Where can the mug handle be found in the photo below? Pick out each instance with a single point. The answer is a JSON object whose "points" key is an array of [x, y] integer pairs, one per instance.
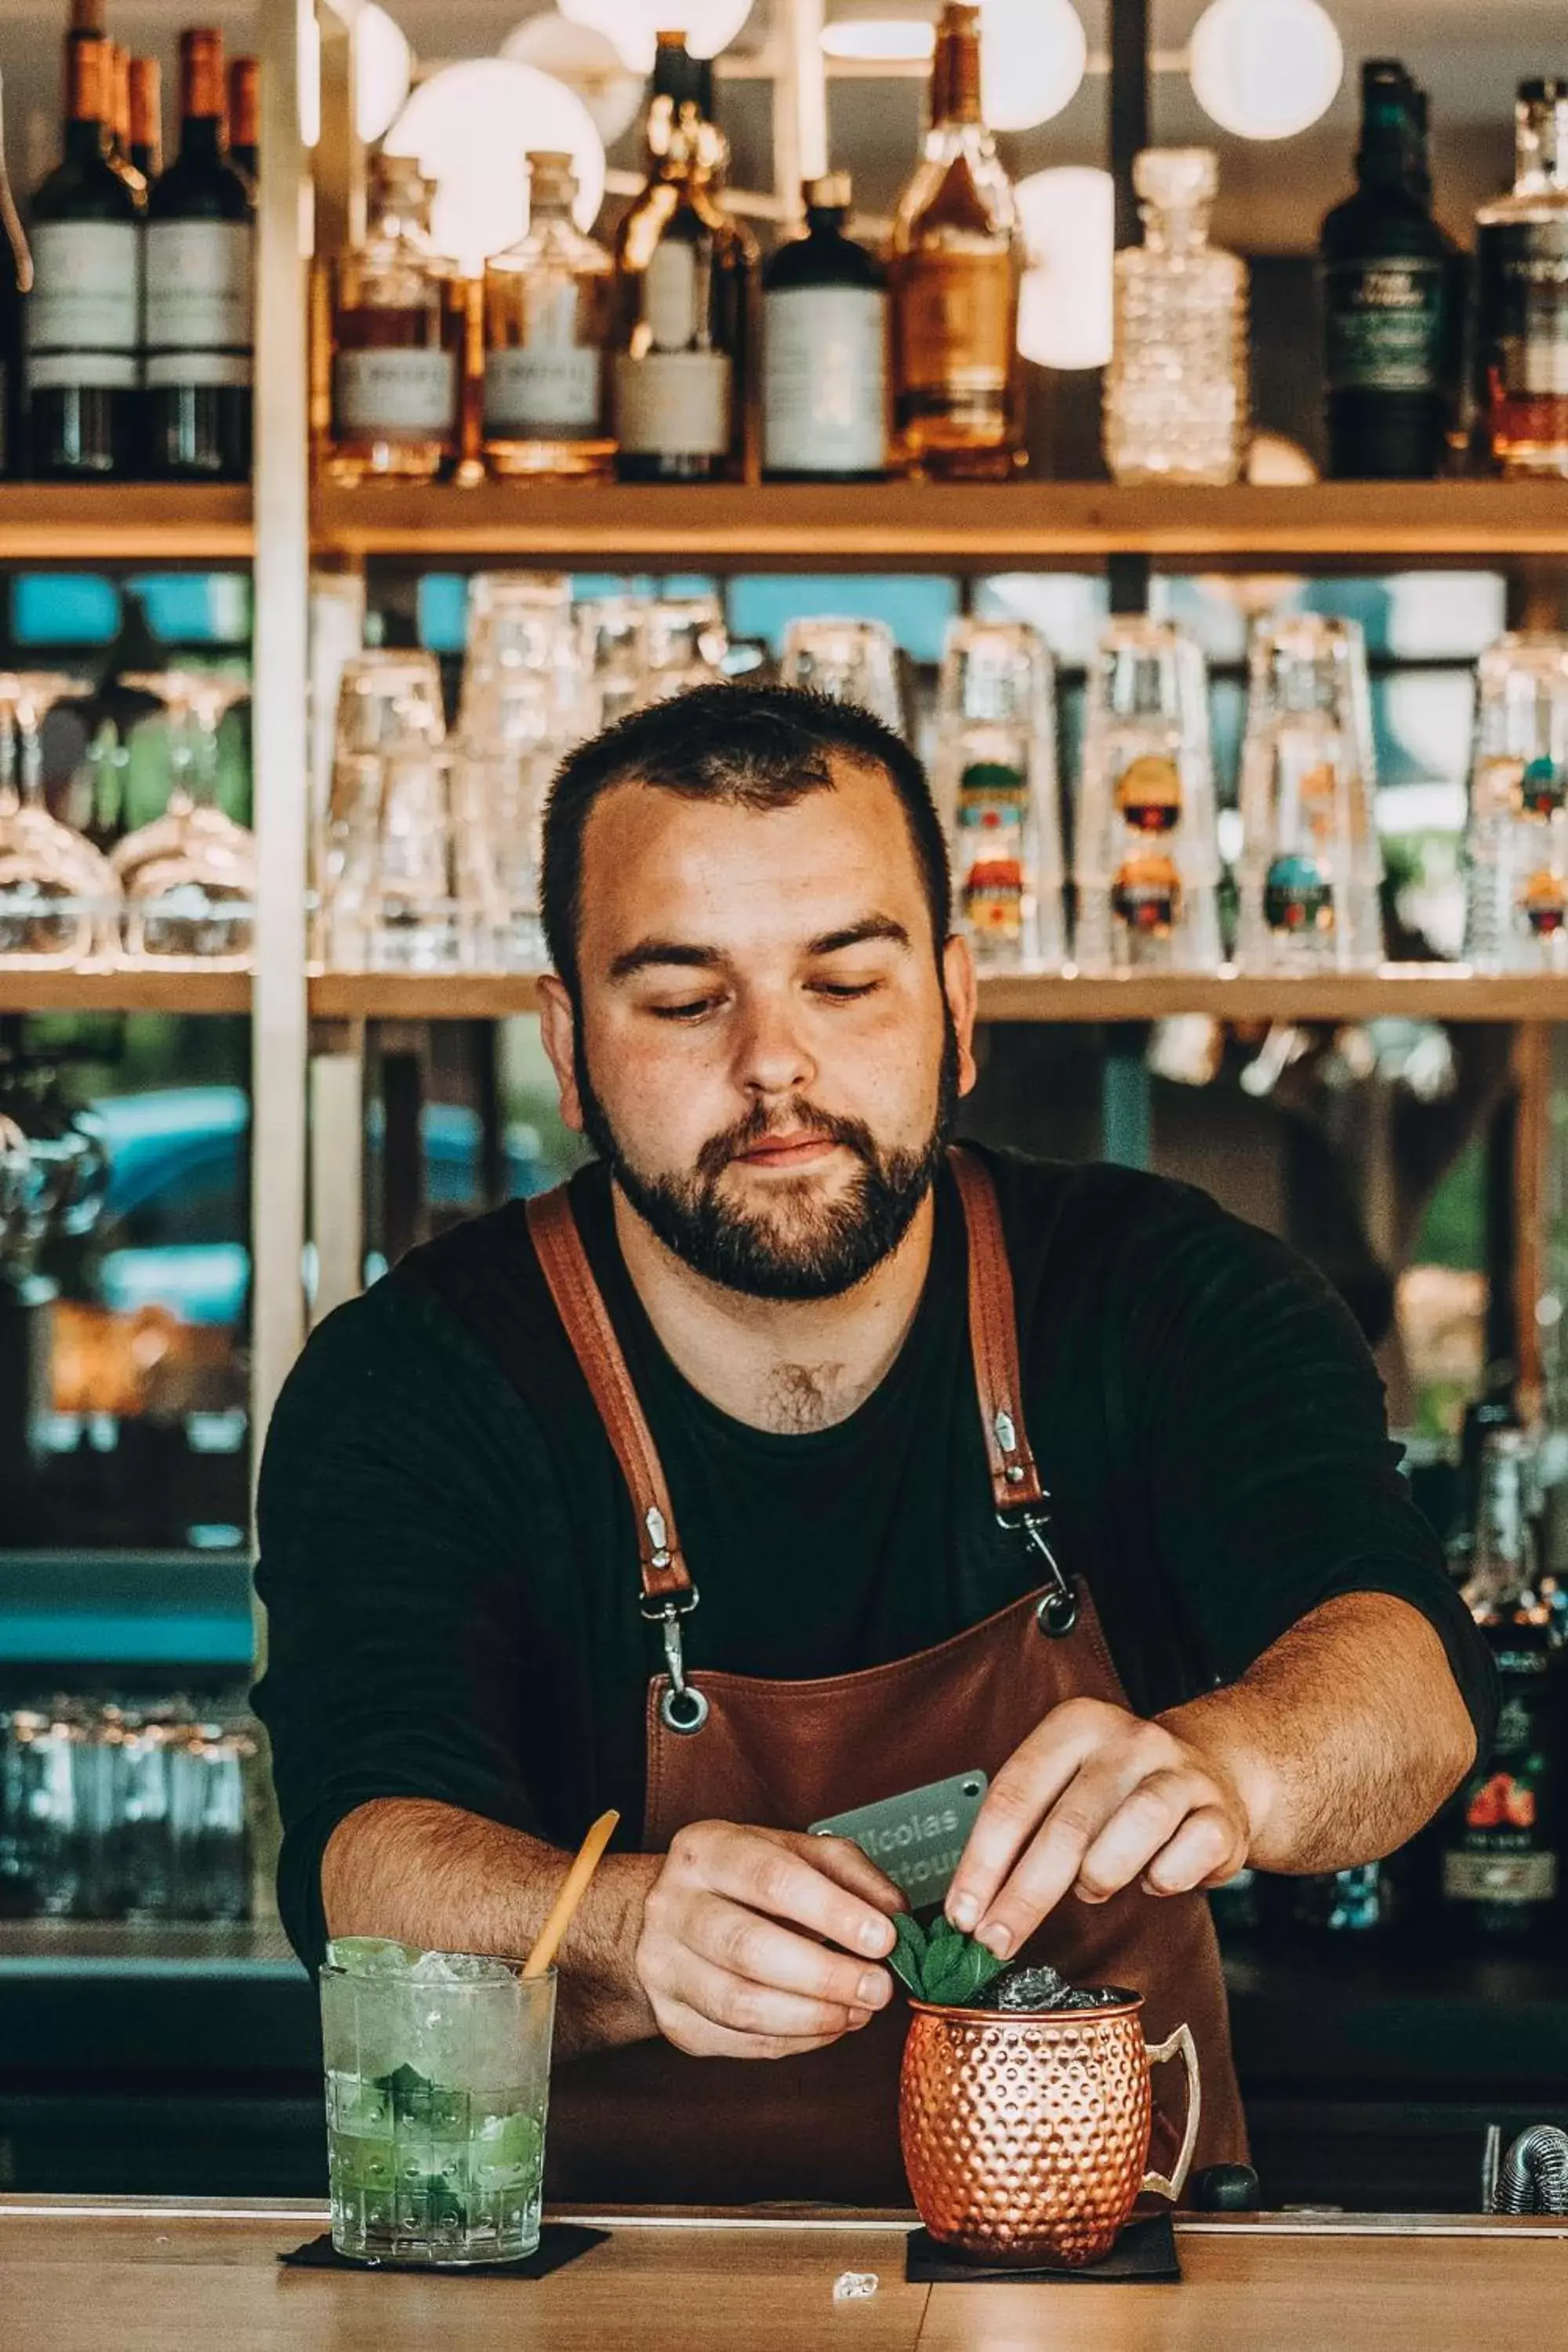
{"points": [[1181, 2040]]}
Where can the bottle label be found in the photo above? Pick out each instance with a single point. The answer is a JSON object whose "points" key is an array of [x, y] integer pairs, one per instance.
{"points": [[87, 370], [825, 380], [958, 317], [1500, 1877], [395, 395], [673, 403], [87, 290], [1387, 325], [1523, 292], [548, 390], [198, 286], [197, 368]]}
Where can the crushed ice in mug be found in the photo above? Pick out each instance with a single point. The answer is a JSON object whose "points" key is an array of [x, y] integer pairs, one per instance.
{"points": [[1022, 1987]]}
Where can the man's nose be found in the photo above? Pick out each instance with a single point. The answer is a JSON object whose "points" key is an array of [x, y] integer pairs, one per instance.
{"points": [[771, 1057]]}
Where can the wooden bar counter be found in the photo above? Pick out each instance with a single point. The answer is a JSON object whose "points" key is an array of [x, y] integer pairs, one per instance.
{"points": [[107, 2275]]}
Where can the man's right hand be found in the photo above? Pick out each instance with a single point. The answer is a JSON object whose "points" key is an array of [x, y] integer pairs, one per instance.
{"points": [[764, 1943]]}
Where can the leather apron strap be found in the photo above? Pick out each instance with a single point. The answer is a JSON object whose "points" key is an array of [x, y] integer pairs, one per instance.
{"points": [[668, 1593]]}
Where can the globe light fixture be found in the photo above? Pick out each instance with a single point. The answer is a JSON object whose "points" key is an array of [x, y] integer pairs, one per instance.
{"points": [[1032, 56], [588, 62], [1266, 68], [710, 26], [384, 66], [471, 125], [1069, 227]]}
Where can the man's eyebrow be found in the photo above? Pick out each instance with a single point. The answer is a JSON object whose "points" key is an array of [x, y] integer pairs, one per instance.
{"points": [[647, 952], [854, 935]]}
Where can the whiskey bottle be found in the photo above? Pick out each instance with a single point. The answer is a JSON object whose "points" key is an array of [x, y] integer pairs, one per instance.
{"points": [[686, 295], [147, 118], [1499, 1837], [84, 314], [15, 279], [1388, 280], [547, 320], [199, 334], [957, 264], [825, 348], [1521, 274], [397, 340], [1176, 393]]}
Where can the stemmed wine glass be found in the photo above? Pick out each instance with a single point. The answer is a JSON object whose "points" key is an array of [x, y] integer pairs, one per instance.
{"points": [[58, 893], [189, 877]]}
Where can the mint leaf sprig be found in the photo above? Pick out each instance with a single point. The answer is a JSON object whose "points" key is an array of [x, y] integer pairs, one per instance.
{"points": [[941, 1964]]}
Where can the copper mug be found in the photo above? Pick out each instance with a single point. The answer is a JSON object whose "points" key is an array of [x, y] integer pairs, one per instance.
{"points": [[1025, 2132]]}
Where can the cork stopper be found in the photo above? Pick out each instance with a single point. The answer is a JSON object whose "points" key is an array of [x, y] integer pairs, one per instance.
{"points": [[244, 102], [201, 73]]}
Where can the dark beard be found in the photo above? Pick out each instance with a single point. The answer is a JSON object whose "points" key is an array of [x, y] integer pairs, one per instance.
{"points": [[846, 1240]]}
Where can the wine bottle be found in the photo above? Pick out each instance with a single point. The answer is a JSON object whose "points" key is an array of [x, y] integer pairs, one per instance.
{"points": [[244, 117], [84, 312], [686, 294], [825, 348], [147, 118], [15, 279], [200, 220]]}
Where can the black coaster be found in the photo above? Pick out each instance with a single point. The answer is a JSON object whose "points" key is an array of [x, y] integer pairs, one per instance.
{"points": [[560, 2242], [1145, 2251]]}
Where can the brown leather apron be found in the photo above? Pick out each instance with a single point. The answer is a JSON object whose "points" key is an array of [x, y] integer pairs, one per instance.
{"points": [[652, 2121]]}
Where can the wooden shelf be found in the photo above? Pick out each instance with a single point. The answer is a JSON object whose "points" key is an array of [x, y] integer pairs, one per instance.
{"points": [[1417, 992], [181, 988], [951, 527], [123, 522]]}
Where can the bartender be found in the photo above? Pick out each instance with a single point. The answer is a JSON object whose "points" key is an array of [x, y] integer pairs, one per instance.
{"points": [[791, 1458]]}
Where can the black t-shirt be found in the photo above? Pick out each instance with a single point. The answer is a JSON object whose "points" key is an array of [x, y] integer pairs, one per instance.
{"points": [[449, 1557]]}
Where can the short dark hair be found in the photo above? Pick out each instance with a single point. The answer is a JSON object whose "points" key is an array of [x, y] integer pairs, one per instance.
{"points": [[760, 746]]}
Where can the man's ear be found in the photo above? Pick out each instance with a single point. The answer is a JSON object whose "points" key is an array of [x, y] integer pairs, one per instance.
{"points": [[962, 997], [558, 1032]]}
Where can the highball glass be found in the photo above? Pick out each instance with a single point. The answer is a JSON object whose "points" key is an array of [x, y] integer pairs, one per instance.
{"points": [[994, 776]]}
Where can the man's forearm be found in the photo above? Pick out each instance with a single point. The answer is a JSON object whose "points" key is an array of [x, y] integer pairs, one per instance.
{"points": [[450, 1881], [1343, 1739]]}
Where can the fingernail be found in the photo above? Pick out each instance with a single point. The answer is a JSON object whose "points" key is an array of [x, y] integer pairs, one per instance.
{"points": [[876, 1936], [873, 1989], [996, 1938], [963, 1911]]}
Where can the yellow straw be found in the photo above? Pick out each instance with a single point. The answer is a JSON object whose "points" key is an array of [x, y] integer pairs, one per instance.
{"points": [[572, 1888]]}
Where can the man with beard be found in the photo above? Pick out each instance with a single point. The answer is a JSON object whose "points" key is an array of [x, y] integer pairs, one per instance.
{"points": [[791, 1460]]}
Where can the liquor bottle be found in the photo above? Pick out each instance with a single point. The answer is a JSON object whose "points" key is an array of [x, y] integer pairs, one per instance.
{"points": [[1387, 279], [200, 231], [825, 348], [147, 118], [84, 313], [547, 302], [1348, 1905], [686, 295], [957, 264], [244, 117], [1177, 390], [1497, 1841], [397, 339], [16, 279], [1521, 294]]}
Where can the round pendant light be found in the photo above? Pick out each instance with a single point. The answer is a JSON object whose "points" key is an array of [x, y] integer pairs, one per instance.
{"points": [[1266, 68], [1065, 308], [471, 125], [710, 26], [1031, 56]]}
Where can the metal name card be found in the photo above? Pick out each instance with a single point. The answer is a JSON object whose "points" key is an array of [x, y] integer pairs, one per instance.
{"points": [[917, 1838]]}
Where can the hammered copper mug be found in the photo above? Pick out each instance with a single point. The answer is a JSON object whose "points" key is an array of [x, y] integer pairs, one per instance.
{"points": [[1025, 2132]]}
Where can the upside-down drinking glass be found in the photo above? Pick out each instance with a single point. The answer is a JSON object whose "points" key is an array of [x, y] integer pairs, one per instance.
{"points": [[851, 661], [1146, 851], [994, 774], [58, 895], [1310, 863], [189, 877], [1516, 887]]}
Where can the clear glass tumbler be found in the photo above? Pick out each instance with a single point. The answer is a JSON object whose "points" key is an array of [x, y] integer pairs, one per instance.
{"points": [[1514, 909], [850, 661], [437, 2088], [522, 672], [994, 772], [1146, 851], [1310, 864]]}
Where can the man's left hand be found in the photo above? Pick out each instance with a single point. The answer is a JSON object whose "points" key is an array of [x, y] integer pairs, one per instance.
{"points": [[1095, 1798]]}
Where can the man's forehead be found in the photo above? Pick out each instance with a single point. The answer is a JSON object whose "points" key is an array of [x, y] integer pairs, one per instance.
{"points": [[636, 818]]}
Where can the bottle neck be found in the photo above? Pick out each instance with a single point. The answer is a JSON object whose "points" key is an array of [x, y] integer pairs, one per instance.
{"points": [[1541, 146], [826, 220], [1175, 228], [955, 77], [203, 138]]}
